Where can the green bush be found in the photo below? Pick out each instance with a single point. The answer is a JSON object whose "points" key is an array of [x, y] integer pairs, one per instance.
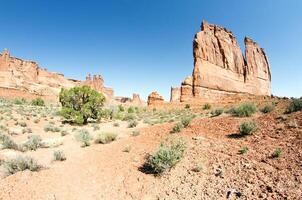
{"points": [[132, 124], [131, 109], [294, 106], [80, 104], [38, 102], [244, 110], [206, 106], [20, 163], [243, 150], [105, 138], [20, 101], [247, 127], [166, 157], [7, 143], [83, 136], [116, 124], [51, 128], [177, 128], [58, 155], [121, 108], [217, 112], [267, 108], [277, 153]]}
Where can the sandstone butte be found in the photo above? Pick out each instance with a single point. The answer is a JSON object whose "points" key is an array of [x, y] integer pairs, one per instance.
{"points": [[25, 79], [221, 69]]}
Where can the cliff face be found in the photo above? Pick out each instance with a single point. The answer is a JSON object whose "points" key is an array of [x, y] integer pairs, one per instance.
{"points": [[28, 78], [220, 67]]}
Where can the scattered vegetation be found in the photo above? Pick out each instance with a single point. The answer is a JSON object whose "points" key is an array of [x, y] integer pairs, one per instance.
{"points": [[247, 128], [185, 121], [198, 168], [294, 106], [166, 157], [206, 106], [51, 128], [80, 104], [38, 102], [244, 110], [267, 108], [217, 112], [135, 133], [20, 163], [7, 143], [187, 106], [132, 124], [58, 155], [32, 143], [243, 150], [83, 136], [177, 128], [105, 138], [277, 153]]}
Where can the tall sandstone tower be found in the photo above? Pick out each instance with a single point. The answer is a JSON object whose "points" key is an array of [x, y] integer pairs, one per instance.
{"points": [[220, 68]]}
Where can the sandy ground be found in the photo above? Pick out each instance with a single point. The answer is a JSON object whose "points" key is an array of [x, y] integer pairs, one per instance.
{"points": [[106, 171]]}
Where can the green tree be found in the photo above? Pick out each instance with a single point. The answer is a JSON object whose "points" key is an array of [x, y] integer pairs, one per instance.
{"points": [[80, 103]]}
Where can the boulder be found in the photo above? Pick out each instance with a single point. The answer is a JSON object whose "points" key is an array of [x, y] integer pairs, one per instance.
{"points": [[155, 99]]}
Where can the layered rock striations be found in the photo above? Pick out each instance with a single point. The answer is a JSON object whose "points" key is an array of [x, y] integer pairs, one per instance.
{"points": [[26, 78], [155, 99], [221, 69]]}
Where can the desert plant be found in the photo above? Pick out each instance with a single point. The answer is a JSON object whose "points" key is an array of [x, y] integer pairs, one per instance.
{"points": [[64, 132], [187, 106], [20, 163], [217, 112], [105, 138], [129, 117], [80, 104], [131, 109], [38, 102], [121, 108], [267, 108], [277, 153], [243, 150], [247, 127], [7, 143], [32, 143], [83, 136], [244, 110], [206, 106], [166, 157], [116, 124], [19, 101], [132, 124], [36, 121], [135, 133], [294, 106], [185, 121], [96, 127], [197, 168], [51, 128], [177, 128], [58, 155]]}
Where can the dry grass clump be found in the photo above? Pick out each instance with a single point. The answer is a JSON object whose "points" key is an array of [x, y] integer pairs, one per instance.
{"points": [[104, 138], [20, 163]]}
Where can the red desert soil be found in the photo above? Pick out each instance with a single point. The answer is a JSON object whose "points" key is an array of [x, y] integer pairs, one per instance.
{"points": [[107, 172]]}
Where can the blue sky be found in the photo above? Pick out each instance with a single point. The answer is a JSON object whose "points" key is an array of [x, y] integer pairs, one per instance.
{"points": [[145, 45]]}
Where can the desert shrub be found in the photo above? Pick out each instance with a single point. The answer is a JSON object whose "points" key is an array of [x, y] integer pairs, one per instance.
{"points": [[83, 136], [36, 121], [206, 106], [96, 127], [166, 157], [247, 127], [22, 124], [80, 104], [243, 150], [20, 163], [132, 124], [186, 121], [267, 108], [64, 132], [217, 112], [135, 133], [38, 102], [131, 109], [294, 106], [104, 138], [58, 155], [197, 168], [244, 110], [116, 124], [51, 128], [177, 128], [32, 143], [187, 106], [277, 153], [121, 108], [129, 117], [19, 101], [7, 143]]}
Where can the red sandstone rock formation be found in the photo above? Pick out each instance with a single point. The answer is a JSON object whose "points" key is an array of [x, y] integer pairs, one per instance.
{"points": [[155, 99], [220, 68], [175, 94], [28, 78]]}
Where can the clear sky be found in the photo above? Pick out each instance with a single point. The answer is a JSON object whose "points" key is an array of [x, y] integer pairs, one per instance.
{"points": [[145, 45]]}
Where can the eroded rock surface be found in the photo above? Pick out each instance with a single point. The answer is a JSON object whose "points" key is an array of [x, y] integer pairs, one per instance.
{"points": [[155, 99], [221, 69]]}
